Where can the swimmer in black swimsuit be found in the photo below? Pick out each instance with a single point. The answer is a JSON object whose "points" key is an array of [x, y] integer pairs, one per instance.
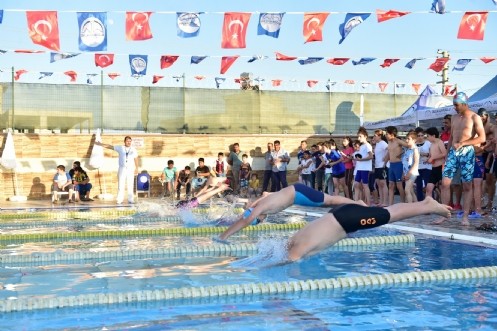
{"points": [[334, 226], [272, 203]]}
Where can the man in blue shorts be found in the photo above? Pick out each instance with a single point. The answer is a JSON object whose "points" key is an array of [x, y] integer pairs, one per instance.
{"points": [[298, 194]]}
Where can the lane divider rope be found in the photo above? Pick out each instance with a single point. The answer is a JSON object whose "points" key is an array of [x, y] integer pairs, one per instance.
{"points": [[179, 251], [249, 289], [85, 222]]}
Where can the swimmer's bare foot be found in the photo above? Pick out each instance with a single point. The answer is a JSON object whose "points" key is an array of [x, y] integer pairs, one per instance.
{"points": [[362, 203], [433, 207], [465, 221]]}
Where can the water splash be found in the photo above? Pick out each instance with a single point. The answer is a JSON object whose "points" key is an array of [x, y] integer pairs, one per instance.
{"points": [[270, 252]]}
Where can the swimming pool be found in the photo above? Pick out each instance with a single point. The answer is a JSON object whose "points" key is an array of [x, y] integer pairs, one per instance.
{"points": [[439, 304]]}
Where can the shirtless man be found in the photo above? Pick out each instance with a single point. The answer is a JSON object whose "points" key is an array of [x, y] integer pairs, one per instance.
{"points": [[488, 150], [394, 155], [436, 158], [466, 132], [271, 203]]}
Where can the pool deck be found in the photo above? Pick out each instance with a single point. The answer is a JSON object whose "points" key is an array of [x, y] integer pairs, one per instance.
{"points": [[450, 230]]}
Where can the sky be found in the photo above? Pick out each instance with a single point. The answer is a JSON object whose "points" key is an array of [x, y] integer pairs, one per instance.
{"points": [[417, 35]]}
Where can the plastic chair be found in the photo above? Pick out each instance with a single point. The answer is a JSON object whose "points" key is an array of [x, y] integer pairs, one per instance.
{"points": [[143, 184]]}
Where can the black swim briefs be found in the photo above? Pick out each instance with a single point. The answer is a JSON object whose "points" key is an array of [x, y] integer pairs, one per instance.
{"points": [[354, 217]]}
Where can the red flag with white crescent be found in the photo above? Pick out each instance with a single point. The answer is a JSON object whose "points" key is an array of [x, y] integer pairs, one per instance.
{"points": [[311, 83], [276, 82], [487, 59], [167, 60], [383, 15], [43, 28], [313, 26], [388, 62], [104, 60], [234, 30], [113, 75], [439, 64], [226, 62], [282, 57], [156, 79], [472, 25], [71, 74], [19, 73], [138, 25], [338, 61]]}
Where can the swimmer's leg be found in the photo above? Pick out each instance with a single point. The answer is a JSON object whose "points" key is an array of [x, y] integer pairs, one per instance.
{"points": [[402, 211]]}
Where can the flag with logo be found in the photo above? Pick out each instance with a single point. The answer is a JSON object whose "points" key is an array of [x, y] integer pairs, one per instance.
{"points": [[282, 57], [410, 64], [363, 60], [439, 64], [104, 60], [43, 28], [72, 74], [167, 60], [461, 64], [438, 6], [188, 24], [138, 25], [351, 21], [61, 56], [313, 26], [234, 30], [156, 78], [219, 81], [257, 57], [227, 62], [197, 59], [92, 35], [338, 61], [138, 65], [472, 26], [270, 24], [383, 16], [310, 60], [89, 78], [388, 62]]}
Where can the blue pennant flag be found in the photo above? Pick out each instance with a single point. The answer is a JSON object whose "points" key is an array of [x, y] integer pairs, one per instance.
{"points": [[89, 78], [2, 51], [188, 24], [219, 81], [257, 57], [410, 64], [363, 60], [270, 24], [1, 16], [138, 65], [44, 74], [461, 64], [351, 21], [310, 60], [92, 31], [197, 59], [61, 56], [438, 6]]}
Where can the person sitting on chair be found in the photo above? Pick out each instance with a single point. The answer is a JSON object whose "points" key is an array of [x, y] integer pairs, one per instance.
{"points": [[62, 183], [168, 177]]}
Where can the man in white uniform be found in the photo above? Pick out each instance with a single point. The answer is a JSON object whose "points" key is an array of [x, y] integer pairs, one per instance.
{"points": [[128, 168]]}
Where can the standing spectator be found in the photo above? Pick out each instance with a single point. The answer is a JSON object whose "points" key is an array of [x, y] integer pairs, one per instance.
{"points": [[62, 182], [128, 168], [220, 165], [338, 170], [268, 167], [235, 160], [280, 160], [364, 165], [347, 152], [82, 185], [183, 179], [380, 168], [328, 170], [436, 159], [319, 167], [395, 170], [245, 171], [410, 164], [168, 178], [424, 166], [305, 168], [202, 174], [300, 155]]}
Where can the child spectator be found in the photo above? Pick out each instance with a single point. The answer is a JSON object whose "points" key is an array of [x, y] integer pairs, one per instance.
{"points": [[62, 182], [168, 177], [220, 166], [347, 152], [254, 188], [338, 170], [202, 173], [245, 170], [183, 179], [82, 185], [410, 163], [305, 168]]}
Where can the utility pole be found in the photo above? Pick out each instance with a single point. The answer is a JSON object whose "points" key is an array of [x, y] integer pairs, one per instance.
{"points": [[445, 70]]}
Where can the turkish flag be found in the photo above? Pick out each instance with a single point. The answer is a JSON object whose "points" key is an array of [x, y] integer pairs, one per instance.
{"points": [[448, 90], [439, 64], [487, 59], [167, 60], [71, 74], [43, 28], [138, 26], [338, 61], [382, 86], [113, 75], [472, 25], [19, 73], [234, 30], [281, 57], [416, 87], [388, 62], [156, 79], [311, 83], [313, 26], [28, 51], [388, 15], [276, 82], [104, 60], [349, 81], [199, 77], [226, 62]]}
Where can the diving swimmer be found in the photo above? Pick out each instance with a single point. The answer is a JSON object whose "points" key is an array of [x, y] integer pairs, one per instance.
{"points": [[206, 195]]}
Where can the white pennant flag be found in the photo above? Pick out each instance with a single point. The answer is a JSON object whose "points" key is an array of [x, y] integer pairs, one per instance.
{"points": [[8, 159], [97, 153]]}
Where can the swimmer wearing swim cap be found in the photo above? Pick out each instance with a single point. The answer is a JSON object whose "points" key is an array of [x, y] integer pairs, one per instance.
{"points": [[460, 98]]}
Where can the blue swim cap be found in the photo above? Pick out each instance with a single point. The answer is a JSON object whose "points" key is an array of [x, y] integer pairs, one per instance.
{"points": [[461, 98]]}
